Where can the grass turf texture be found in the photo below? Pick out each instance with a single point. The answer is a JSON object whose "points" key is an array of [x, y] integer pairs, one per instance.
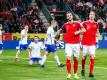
{"points": [[11, 70]]}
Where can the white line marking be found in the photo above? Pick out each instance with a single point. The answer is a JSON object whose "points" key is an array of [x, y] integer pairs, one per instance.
{"points": [[54, 61]]}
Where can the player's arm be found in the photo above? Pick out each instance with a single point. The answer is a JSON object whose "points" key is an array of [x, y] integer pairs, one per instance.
{"points": [[43, 49], [61, 29], [29, 50], [81, 30], [97, 33]]}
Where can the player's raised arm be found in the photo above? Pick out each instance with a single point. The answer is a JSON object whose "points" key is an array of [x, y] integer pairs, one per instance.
{"points": [[28, 50], [81, 30]]}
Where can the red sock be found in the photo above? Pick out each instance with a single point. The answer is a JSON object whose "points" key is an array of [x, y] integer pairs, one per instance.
{"points": [[75, 66], [83, 64], [68, 66], [91, 66]]}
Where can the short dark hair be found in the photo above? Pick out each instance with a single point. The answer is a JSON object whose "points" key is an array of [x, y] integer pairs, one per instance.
{"points": [[92, 11], [37, 36]]}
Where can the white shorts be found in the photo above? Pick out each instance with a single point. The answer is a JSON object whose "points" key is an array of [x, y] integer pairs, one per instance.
{"points": [[89, 50], [72, 49]]}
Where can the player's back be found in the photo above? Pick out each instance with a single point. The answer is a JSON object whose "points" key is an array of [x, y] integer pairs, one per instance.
{"points": [[23, 37], [50, 36]]}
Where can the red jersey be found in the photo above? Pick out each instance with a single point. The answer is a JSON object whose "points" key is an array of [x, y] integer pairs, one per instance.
{"points": [[71, 28], [89, 37]]}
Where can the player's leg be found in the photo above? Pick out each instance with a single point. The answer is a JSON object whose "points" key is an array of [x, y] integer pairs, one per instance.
{"points": [[17, 55], [44, 57], [53, 49], [27, 51], [68, 51], [92, 55], [58, 61], [31, 61], [18, 52], [84, 52], [76, 52]]}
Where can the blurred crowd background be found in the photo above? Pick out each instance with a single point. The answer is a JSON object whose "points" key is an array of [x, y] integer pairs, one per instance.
{"points": [[14, 14]]}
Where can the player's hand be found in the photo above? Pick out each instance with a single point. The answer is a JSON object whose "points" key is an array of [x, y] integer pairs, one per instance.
{"points": [[76, 33]]}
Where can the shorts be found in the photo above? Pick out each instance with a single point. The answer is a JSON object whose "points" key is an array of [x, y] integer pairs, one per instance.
{"points": [[88, 50], [50, 48], [72, 49], [23, 46], [35, 59], [1, 46]]}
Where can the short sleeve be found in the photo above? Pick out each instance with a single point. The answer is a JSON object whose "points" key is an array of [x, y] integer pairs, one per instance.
{"points": [[22, 32], [80, 25]]}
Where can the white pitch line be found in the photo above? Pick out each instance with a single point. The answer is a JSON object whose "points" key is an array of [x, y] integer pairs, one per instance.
{"points": [[54, 61]]}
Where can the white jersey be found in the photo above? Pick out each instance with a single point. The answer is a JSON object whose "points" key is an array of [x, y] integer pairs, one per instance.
{"points": [[23, 37], [36, 48], [1, 37], [50, 36]]}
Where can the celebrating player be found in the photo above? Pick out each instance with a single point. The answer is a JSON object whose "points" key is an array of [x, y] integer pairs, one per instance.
{"points": [[35, 48], [72, 39], [23, 42], [1, 43], [50, 44], [89, 42]]}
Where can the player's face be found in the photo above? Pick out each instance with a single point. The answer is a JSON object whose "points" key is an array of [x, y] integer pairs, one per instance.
{"points": [[26, 27], [36, 39], [69, 16], [92, 15]]}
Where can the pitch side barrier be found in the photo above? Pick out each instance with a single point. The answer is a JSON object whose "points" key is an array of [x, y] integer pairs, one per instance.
{"points": [[14, 44]]}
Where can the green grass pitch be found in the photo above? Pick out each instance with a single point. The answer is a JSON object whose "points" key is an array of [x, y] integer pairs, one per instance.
{"points": [[10, 70]]}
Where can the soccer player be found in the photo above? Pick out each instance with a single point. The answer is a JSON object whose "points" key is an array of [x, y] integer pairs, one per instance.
{"points": [[1, 43], [35, 48], [50, 44], [23, 42], [89, 42], [72, 39]]}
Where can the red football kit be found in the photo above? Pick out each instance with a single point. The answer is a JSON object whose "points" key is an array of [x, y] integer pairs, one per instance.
{"points": [[71, 28], [89, 37]]}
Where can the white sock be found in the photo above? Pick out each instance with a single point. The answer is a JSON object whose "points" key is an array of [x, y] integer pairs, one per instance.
{"points": [[57, 60], [0, 52], [18, 52], [43, 59]]}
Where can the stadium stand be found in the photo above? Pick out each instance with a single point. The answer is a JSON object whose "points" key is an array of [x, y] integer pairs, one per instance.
{"points": [[15, 13]]}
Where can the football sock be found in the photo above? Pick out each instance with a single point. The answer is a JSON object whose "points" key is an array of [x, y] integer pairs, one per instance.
{"points": [[57, 59], [75, 66], [18, 52], [83, 64], [43, 59], [68, 66], [91, 66]]}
